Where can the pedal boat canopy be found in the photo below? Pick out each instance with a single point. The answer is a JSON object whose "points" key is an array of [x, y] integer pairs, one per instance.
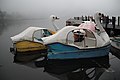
{"points": [[32, 32]]}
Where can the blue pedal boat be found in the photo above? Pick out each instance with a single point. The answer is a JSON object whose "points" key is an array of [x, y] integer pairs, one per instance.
{"points": [[89, 40]]}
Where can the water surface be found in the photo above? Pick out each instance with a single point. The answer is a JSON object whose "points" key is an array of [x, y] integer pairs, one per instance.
{"points": [[9, 70]]}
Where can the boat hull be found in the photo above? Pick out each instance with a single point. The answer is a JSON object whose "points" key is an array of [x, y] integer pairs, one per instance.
{"points": [[62, 51], [29, 47]]}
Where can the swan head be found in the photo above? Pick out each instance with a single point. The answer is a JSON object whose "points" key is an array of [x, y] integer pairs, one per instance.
{"points": [[53, 17], [97, 15]]}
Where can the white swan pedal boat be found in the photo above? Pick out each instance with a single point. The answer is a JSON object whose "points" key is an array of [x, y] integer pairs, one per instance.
{"points": [[89, 40], [30, 41]]}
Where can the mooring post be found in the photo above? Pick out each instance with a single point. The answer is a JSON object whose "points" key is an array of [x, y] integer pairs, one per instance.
{"points": [[118, 20], [113, 22]]}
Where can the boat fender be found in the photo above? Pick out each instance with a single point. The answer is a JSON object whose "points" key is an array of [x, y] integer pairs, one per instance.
{"points": [[12, 49]]}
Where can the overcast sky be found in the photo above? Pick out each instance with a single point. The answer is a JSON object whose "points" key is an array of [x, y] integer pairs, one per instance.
{"points": [[61, 7]]}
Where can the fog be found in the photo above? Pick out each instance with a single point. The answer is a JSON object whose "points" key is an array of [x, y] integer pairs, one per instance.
{"points": [[63, 8]]}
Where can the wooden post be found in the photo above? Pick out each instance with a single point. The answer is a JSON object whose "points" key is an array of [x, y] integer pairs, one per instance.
{"points": [[118, 20], [113, 22]]}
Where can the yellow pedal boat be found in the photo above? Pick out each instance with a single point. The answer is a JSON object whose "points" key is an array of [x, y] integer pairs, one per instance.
{"points": [[29, 41]]}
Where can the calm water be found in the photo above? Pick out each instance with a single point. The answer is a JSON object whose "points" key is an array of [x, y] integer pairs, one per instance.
{"points": [[9, 70]]}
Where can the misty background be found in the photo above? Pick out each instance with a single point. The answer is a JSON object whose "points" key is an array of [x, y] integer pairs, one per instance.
{"points": [[62, 8], [17, 15]]}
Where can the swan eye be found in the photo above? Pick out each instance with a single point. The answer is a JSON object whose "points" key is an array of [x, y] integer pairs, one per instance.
{"points": [[99, 14]]}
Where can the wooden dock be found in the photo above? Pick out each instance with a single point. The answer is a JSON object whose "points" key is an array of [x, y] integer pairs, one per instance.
{"points": [[111, 31]]}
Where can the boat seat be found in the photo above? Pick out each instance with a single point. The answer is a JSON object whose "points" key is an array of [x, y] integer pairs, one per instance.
{"points": [[38, 40]]}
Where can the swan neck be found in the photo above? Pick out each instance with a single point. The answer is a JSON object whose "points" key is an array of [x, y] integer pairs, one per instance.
{"points": [[55, 27]]}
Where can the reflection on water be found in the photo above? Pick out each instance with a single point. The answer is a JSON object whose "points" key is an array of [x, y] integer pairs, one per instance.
{"points": [[27, 68], [83, 74], [26, 58], [4, 24], [74, 69], [2, 27], [0, 65]]}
